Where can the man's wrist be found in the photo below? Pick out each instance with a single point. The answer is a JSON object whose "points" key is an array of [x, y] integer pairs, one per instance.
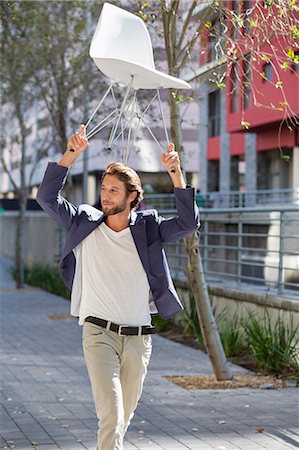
{"points": [[178, 180], [68, 158]]}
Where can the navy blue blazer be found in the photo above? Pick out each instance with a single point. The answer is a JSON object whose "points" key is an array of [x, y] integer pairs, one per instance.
{"points": [[149, 230]]}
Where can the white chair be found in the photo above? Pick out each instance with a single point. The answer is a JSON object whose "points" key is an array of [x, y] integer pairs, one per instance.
{"points": [[121, 48]]}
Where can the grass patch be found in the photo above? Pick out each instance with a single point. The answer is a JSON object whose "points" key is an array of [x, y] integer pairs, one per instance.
{"points": [[46, 277], [230, 331], [231, 334], [191, 322], [163, 325], [267, 346], [274, 346]]}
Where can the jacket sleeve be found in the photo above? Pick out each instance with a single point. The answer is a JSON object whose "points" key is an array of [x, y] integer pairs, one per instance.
{"points": [[50, 199], [186, 221]]}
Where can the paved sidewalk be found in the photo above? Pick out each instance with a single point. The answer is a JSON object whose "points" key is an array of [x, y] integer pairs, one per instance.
{"points": [[46, 399]]}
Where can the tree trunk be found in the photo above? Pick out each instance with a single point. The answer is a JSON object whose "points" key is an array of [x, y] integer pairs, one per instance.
{"points": [[194, 270], [22, 197], [196, 278], [195, 275], [176, 130], [19, 247]]}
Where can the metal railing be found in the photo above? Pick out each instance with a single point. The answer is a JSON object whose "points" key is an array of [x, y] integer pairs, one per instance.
{"points": [[230, 199], [250, 248], [238, 199]]}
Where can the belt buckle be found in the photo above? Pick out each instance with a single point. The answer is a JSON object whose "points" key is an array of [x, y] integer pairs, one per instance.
{"points": [[120, 330]]}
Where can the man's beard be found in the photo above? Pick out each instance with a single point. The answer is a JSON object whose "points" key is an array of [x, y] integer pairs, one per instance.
{"points": [[114, 209]]}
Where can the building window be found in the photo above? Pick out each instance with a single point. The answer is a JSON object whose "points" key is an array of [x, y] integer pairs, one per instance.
{"points": [[234, 89], [213, 178], [15, 165], [296, 65], [247, 81], [214, 114], [237, 171], [214, 39], [235, 14], [267, 72], [247, 12], [43, 123]]}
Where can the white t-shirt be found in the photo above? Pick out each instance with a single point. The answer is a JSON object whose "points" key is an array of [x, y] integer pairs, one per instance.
{"points": [[114, 284]]}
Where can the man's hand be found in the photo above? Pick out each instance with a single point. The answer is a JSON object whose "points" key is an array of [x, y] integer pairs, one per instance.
{"points": [[76, 145], [78, 141], [171, 161]]}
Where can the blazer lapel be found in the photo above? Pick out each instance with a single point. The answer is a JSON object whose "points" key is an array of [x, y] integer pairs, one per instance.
{"points": [[81, 232], [138, 230]]}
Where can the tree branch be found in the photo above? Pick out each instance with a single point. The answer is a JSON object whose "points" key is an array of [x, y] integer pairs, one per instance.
{"points": [[186, 23], [165, 19], [7, 171]]}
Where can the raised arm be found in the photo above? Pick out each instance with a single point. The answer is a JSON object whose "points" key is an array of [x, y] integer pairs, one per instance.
{"points": [[171, 162], [187, 219], [76, 145], [49, 193]]}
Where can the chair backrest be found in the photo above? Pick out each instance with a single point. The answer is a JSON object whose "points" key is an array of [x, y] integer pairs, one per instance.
{"points": [[122, 35]]}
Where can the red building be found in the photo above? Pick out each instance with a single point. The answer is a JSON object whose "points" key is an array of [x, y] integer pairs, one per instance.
{"points": [[249, 134]]}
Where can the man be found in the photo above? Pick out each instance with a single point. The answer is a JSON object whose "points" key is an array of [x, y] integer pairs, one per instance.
{"points": [[114, 263]]}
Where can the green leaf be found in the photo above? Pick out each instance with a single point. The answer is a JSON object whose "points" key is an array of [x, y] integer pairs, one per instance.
{"points": [[294, 32], [285, 65], [179, 99], [276, 108], [245, 124], [220, 85], [291, 53], [265, 57]]}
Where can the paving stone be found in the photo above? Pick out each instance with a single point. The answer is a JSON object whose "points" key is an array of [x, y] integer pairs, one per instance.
{"points": [[46, 396]]}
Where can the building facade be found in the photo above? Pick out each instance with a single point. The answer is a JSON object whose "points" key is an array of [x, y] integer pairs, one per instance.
{"points": [[86, 173], [248, 132]]}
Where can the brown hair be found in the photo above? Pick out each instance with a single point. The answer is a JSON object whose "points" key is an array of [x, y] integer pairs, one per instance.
{"points": [[129, 177]]}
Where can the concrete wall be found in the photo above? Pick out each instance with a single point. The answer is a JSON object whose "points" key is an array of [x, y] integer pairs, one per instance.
{"points": [[243, 302], [42, 240]]}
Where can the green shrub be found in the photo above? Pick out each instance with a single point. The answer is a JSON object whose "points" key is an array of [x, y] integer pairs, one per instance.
{"points": [[231, 334], [162, 325], [275, 346], [229, 329], [192, 325], [46, 277]]}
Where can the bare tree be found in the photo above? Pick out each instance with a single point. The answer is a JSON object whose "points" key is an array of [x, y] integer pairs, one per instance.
{"points": [[44, 64], [17, 101], [178, 55], [65, 76], [265, 33], [235, 36]]}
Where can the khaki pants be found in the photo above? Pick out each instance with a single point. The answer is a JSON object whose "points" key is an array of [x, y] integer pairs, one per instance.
{"points": [[117, 366]]}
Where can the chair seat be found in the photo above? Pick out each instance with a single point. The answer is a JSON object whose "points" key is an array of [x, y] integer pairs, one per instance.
{"points": [[121, 71], [122, 50]]}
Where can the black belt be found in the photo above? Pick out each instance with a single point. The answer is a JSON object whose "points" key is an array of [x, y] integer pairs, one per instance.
{"points": [[121, 330]]}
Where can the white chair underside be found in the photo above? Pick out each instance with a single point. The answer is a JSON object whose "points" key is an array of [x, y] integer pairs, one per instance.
{"points": [[122, 118], [121, 71], [121, 48]]}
